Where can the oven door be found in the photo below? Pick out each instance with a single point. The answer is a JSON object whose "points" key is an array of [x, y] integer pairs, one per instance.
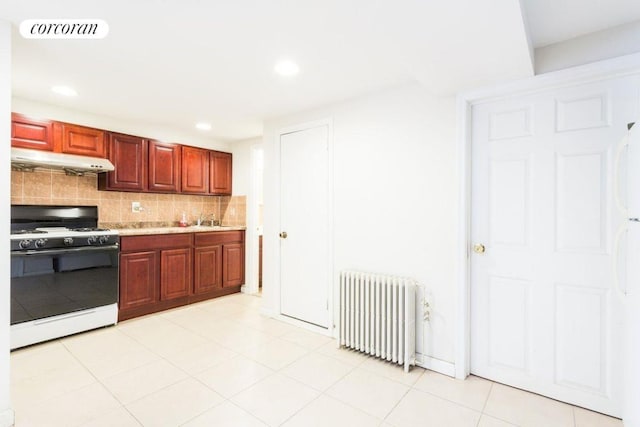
{"points": [[58, 281]]}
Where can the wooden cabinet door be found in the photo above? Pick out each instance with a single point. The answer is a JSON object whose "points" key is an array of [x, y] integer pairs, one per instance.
{"points": [[138, 279], [129, 156], [175, 273], [195, 170], [233, 264], [74, 139], [207, 269], [164, 167], [220, 173], [27, 132]]}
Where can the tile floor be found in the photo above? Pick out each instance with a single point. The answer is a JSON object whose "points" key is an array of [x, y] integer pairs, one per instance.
{"points": [[220, 363]]}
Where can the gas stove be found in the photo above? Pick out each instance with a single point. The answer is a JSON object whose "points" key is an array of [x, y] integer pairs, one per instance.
{"points": [[35, 227], [61, 237]]}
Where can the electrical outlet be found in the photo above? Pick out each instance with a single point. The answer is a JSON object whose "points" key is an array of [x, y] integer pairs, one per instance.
{"points": [[135, 207]]}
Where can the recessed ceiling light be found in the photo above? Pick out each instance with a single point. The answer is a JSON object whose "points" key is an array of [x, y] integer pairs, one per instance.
{"points": [[64, 90], [286, 68], [203, 126]]}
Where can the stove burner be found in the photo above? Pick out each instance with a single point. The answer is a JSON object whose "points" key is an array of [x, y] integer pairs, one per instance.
{"points": [[32, 231], [88, 229]]}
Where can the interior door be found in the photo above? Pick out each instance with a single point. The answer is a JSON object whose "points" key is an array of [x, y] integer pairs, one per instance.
{"points": [[544, 313], [304, 220]]}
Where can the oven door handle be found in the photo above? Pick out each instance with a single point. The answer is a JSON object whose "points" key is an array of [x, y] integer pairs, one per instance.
{"points": [[65, 251]]}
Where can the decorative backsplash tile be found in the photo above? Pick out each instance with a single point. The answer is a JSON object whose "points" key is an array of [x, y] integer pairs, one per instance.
{"points": [[51, 187]]}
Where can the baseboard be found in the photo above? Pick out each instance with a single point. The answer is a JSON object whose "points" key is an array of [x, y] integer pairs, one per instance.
{"points": [[436, 365], [7, 418]]}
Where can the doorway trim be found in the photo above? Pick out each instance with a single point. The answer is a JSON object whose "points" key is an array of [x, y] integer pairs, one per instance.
{"points": [[330, 256], [617, 67]]}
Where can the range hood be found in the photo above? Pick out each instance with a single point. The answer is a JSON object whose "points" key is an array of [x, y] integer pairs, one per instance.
{"points": [[26, 160]]}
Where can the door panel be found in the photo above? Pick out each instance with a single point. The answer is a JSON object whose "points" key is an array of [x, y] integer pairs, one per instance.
{"points": [[543, 313], [175, 273], [304, 253]]}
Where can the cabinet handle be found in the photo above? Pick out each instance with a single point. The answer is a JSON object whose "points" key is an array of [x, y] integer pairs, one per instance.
{"points": [[283, 235]]}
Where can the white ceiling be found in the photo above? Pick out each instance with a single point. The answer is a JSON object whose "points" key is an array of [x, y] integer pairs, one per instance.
{"points": [[177, 62], [553, 21]]}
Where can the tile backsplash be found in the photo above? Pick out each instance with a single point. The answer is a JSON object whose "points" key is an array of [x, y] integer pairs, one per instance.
{"points": [[51, 187]]}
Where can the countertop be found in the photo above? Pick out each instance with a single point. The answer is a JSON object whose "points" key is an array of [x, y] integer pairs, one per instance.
{"points": [[173, 230]]}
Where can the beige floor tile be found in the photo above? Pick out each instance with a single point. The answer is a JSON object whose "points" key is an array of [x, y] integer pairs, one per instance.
{"points": [[166, 338], [307, 339], [275, 399], [276, 354], [99, 344], [269, 326], [119, 417], [351, 357], [70, 409], [53, 383], [239, 338], [585, 418], [527, 409], [39, 359], [132, 385], [317, 370], [472, 392], [327, 411], [369, 392], [225, 415], [174, 405], [393, 371], [233, 376], [487, 421], [418, 409], [196, 359], [120, 362]]}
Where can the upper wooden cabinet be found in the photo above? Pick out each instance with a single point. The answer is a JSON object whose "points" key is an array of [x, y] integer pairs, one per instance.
{"points": [[165, 161], [129, 156], [28, 132], [195, 170], [220, 173], [74, 139]]}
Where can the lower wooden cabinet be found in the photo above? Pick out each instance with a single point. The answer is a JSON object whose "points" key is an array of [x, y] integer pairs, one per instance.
{"points": [[163, 271], [175, 273], [138, 278]]}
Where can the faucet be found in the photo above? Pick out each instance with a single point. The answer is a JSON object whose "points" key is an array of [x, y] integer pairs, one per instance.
{"points": [[200, 219], [213, 220]]}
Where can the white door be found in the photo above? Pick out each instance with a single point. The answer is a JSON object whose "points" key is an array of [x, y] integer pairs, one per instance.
{"points": [[304, 249], [544, 313]]}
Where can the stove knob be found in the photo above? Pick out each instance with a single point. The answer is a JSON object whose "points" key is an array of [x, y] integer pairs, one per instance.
{"points": [[40, 243], [103, 239], [92, 240], [68, 241], [25, 243]]}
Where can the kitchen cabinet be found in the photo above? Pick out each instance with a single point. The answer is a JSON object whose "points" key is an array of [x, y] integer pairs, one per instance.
{"points": [[81, 140], [164, 166], [162, 271], [175, 273], [207, 269], [138, 277], [220, 172], [166, 272], [29, 132], [195, 170], [128, 155], [219, 262]]}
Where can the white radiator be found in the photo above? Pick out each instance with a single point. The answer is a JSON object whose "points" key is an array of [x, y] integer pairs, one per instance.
{"points": [[378, 316]]}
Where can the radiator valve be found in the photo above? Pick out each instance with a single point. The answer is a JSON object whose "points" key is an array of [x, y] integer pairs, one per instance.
{"points": [[426, 310]]}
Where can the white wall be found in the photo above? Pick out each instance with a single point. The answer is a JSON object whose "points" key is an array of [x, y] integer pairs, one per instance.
{"points": [[395, 197], [243, 175], [147, 130], [6, 414], [598, 46]]}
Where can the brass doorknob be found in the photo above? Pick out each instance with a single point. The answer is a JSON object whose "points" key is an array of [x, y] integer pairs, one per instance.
{"points": [[283, 235], [478, 248]]}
